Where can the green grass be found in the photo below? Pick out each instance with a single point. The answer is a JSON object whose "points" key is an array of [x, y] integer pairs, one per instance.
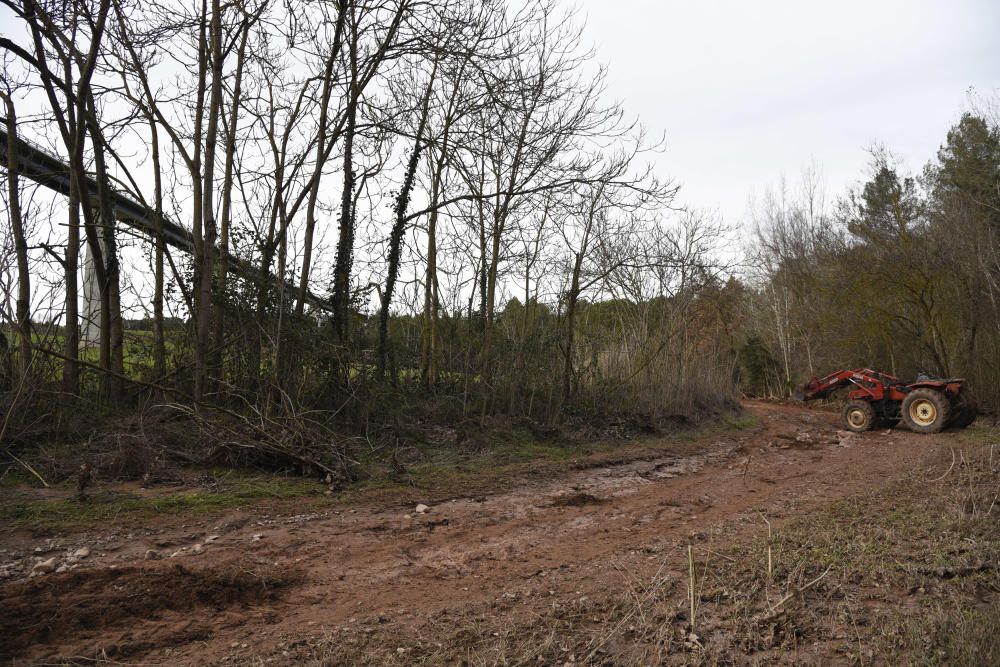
{"points": [[137, 352], [103, 506], [952, 634], [500, 460], [506, 457]]}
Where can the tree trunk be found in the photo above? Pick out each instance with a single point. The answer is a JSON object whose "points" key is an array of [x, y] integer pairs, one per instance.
{"points": [[571, 300], [20, 243], [197, 206], [159, 339], [399, 227], [268, 248], [69, 117], [428, 365], [71, 369], [218, 345], [322, 152], [112, 330], [204, 318], [345, 241]]}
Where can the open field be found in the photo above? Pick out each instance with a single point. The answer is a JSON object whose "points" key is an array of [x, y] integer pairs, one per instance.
{"points": [[805, 545]]}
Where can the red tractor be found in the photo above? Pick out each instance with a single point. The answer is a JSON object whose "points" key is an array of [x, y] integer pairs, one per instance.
{"points": [[881, 400]]}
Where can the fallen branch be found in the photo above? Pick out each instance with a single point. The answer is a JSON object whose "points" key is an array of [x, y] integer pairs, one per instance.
{"points": [[769, 539]]}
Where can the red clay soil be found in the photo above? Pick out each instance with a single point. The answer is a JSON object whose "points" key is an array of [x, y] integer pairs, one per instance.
{"points": [[258, 584]]}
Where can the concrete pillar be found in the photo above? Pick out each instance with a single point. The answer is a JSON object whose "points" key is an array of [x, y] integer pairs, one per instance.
{"points": [[90, 315]]}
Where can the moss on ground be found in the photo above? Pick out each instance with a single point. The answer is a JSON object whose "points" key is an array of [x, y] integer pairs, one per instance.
{"points": [[506, 457], [501, 459], [64, 510]]}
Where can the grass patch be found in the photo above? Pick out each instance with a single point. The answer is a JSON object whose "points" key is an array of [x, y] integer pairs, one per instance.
{"points": [[951, 634], [105, 507], [505, 458], [502, 459]]}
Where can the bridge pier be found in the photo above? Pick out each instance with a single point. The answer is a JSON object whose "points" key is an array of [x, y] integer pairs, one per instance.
{"points": [[90, 314]]}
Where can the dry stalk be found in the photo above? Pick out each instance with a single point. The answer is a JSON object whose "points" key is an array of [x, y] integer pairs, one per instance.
{"points": [[6, 420], [633, 594], [650, 592], [716, 553], [691, 583], [708, 561], [995, 496], [970, 475], [770, 568], [938, 479]]}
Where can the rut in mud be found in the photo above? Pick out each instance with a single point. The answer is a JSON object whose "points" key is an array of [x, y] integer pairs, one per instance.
{"points": [[50, 610], [257, 585]]}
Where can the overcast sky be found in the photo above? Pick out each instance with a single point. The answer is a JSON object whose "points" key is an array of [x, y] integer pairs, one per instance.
{"points": [[748, 90]]}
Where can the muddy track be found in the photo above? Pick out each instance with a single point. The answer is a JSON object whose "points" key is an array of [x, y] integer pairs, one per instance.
{"points": [[247, 584]]}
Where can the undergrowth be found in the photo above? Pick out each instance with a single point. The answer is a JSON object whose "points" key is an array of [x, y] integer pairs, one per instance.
{"points": [[426, 470]]}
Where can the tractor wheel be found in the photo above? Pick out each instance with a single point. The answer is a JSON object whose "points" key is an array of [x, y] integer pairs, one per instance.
{"points": [[963, 409], [926, 410], [859, 416]]}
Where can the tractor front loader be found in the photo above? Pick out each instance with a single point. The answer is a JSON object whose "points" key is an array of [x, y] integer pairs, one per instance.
{"points": [[881, 400]]}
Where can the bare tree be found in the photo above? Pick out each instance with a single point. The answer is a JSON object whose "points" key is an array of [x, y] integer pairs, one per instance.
{"points": [[20, 242]]}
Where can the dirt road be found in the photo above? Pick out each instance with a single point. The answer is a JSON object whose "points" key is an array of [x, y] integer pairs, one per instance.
{"points": [[247, 585]]}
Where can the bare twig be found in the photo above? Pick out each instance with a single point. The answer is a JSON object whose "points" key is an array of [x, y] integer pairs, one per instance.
{"points": [[777, 610], [716, 553], [995, 496], [27, 467], [938, 479]]}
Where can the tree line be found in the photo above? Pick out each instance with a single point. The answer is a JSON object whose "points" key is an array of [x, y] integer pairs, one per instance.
{"points": [[433, 209], [900, 273], [440, 204]]}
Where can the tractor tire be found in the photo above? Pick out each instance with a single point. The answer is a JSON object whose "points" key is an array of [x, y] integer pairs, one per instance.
{"points": [[926, 410], [859, 416], [963, 410]]}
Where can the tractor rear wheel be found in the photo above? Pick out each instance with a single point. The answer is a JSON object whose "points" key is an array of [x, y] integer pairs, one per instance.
{"points": [[859, 416], [926, 410]]}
